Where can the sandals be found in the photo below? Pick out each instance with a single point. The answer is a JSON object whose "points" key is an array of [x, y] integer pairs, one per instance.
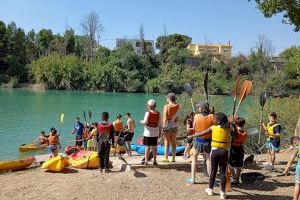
{"points": [[190, 181]]}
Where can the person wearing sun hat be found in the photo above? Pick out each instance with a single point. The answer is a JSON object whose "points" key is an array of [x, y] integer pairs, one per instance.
{"points": [[170, 125], [152, 130]]}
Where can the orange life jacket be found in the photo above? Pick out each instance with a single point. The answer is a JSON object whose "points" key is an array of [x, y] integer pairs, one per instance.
{"points": [[118, 125], [53, 140], [85, 134], [171, 111], [202, 123], [240, 138], [153, 119]]}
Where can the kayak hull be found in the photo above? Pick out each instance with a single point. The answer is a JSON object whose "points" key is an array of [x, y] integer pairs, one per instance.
{"points": [[56, 164], [85, 160], [160, 150], [30, 147], [16, 164]]}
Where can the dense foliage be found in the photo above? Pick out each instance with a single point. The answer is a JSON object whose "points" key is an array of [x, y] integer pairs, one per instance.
{"points": [[68, 61], [289, 8]]}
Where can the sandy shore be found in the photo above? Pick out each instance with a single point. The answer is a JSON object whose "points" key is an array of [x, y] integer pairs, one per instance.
{"points": [[166, 181]]}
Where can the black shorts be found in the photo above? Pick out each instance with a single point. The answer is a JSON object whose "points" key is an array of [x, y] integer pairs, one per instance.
{"points": [[129, 136], [150, 141], [236, 158], [78, 143]]}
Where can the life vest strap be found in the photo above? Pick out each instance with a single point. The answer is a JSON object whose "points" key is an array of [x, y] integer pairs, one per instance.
{"points": [[219, 142]]}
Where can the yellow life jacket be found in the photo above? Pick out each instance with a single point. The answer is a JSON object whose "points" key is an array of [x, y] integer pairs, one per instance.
{"points": [[270, 129], [220, 137]]}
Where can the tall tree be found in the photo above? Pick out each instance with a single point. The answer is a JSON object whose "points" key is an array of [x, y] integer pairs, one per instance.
{"points": [[44, 40], [31, 46], [163, 43], [92, 28], [3, 45], [69, 37], [289, 8]]}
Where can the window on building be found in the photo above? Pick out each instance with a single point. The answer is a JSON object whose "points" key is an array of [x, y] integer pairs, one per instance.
{"points": [[225, 50], [138, 44]]}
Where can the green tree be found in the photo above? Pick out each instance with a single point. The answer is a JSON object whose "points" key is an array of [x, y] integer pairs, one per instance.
{"points": [[163, 43], [289, 8], [31, 46], [3, 46], [69, 37], [44, 40]]}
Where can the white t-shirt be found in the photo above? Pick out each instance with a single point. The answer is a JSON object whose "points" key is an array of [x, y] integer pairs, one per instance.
{"points": [[150, 131]]}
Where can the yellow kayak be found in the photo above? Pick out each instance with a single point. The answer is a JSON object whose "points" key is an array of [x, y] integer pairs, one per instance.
{"points": [[88, 161], [30, 147], [56, 164], [16, 164]]}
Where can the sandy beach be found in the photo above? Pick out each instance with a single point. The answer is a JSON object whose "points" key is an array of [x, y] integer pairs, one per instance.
{"points": [[165, 181]]}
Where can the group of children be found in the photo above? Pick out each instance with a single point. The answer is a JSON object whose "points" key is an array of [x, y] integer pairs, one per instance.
{"points": [[51, 141], [219, 140]]}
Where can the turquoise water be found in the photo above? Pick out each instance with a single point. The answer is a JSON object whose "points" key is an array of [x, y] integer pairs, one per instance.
{"points": [[24, 113]]}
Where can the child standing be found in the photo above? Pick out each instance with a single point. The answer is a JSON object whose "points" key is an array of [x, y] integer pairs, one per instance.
{"points": [[105, 139], [219, 151], [92, 142], [272, 130], [188, 122], [53, 142], [152, 130], [295, 140], [236, 157]]}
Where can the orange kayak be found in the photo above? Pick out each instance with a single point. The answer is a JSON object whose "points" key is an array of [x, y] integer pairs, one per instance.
{"points": [[16, 164]]}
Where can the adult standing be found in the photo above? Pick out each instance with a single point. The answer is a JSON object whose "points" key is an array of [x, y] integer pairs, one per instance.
{"points": [[129, 132], [170, 125], [202, 144], [152, 130], [78, 130]]}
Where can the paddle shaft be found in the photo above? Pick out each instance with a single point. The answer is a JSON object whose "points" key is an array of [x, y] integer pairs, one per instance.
{"points": [[192, 104]]}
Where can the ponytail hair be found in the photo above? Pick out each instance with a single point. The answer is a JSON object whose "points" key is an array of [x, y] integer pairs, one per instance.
{"points": [[222, 120]]}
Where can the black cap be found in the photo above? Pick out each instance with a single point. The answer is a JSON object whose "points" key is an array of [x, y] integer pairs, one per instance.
{"points": [[202, 104]]}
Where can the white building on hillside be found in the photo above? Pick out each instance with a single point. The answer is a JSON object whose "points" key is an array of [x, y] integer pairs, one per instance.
{"points": [[136, 44]]}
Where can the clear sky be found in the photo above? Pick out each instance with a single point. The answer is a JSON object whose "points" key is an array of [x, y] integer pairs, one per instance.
{"points": [[237, 21]]}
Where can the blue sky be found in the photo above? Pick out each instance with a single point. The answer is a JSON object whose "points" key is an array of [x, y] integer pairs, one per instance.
{"points": [[237, 21]]}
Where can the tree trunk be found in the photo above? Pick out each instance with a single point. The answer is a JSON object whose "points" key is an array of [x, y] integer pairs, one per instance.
{"points": [[297, 129]]}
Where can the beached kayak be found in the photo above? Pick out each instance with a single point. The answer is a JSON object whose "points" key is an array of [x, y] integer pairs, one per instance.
{"points": [[160, 150], [56, 164], [85, 160], [16, 164], [71, 150], [30, 147]]}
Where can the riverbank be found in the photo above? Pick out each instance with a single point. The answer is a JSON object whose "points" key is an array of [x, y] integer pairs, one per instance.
{"points": [[165, 181]]}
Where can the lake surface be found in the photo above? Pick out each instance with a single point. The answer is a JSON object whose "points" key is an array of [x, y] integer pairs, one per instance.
{"points": [[24, 113]]}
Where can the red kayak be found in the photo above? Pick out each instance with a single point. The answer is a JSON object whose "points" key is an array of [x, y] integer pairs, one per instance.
{"points": [[71, 150]]}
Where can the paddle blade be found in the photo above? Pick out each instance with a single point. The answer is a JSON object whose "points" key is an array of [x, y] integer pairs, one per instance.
{"points": [[206, 85], [90, 113], [262, 99], [237, 85], [245, 89], [62, 118], [188, 89], [84, 115]]}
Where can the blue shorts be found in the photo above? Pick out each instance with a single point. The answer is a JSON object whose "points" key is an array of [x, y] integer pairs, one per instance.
{"points": [[273, 144], [53, 148], [85, 142], [202, 145], [297, 175]]}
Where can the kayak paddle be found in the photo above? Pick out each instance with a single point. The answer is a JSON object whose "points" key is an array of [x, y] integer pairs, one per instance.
{"points": [[206, 85], [90, 114], [61, 121], [189, 91], [84, 115], [262, 102]]}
